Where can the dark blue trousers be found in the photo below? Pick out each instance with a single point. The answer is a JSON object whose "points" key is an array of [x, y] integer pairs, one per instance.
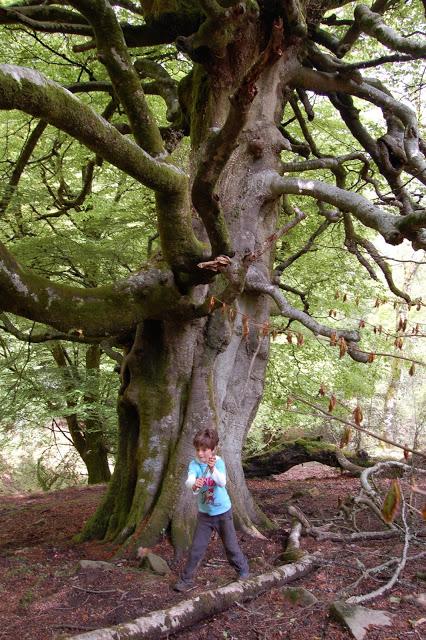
{"points": [[224, 525]]}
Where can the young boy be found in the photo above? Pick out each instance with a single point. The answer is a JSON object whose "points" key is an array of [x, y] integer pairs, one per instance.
{"points": [[207, 479]]}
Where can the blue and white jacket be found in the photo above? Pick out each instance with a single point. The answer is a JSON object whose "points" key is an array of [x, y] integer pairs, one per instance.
{"points": [[213, 497]]}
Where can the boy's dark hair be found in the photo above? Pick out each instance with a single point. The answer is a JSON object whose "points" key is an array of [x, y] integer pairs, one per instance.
{"points": [[206, 439]]}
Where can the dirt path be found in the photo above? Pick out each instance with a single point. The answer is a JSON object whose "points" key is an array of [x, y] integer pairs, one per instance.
{"points": [[45, 596]]}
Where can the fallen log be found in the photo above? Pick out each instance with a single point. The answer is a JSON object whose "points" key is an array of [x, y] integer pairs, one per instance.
{"points": [[289, 454], [160, 623]]}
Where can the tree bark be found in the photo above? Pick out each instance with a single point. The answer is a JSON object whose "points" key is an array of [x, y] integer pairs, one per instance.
{"points": [[181, 376], [159, 624]]}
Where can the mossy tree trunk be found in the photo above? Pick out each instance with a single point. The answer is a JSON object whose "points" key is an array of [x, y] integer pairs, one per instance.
{"points": [[289, 454], [180, 376]]}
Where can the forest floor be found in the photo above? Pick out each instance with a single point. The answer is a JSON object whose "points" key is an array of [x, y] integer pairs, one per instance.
{"points": [[45, 595]]}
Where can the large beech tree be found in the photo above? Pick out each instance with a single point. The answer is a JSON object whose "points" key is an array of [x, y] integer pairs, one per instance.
{"points": [[188, 321]]}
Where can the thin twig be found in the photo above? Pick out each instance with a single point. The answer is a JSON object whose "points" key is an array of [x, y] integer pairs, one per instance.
{"points": [[386, 587]]}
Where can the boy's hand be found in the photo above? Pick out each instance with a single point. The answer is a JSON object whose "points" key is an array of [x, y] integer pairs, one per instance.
{"points": [[199, 482], [211, 462]]}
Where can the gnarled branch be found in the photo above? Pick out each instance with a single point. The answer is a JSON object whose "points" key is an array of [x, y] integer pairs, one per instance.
{"points": [[372, 23], [258, 283], [389, 226]]}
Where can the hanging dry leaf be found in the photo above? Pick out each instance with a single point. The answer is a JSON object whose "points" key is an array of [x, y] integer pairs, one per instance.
{"points": [[224, 308], [345, 439], [361, 324], [357, 415], [345, 297], [343, 347], [406, 453], [321, 391], [371, 357], [246, 328], [391, 502], [332, 403], [274, 334], [418, 305], [402, 324], [337, 294], [231, 314], [380, 329], [265, 328], [289, 337], [412, 370], [377, 303], [212, 302], [333, 339], [289, 402], [300, 339]]}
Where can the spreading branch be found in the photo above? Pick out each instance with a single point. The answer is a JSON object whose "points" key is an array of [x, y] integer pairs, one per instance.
{"points": [[35, 338], [372, 23], [392, 228], [113, 53], [404, 130], [257, 282], [45, 18], [33, 93], [92, 312]]}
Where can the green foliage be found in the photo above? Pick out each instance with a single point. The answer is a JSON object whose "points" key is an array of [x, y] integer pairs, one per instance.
{"points": [[110, 231]]}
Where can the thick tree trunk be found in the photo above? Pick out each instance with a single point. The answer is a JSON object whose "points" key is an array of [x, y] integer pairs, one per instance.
{"points": [[179, 377], [290, 454]]}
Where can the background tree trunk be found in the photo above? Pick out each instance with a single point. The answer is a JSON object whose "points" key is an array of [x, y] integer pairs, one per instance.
{"points": [[87, 434]]}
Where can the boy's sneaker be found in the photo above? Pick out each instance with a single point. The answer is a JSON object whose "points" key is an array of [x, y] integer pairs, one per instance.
{"points": [[183, 585], [244, 575]]}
